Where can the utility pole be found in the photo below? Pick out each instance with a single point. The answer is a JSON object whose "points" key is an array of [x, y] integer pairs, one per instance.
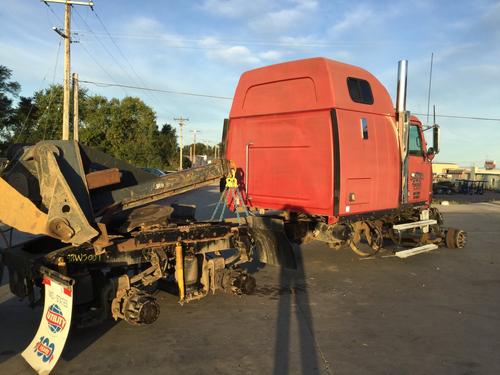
{"points": [[181, 121], [66, 34], [75, 107], [194, 144], [207, 147]]}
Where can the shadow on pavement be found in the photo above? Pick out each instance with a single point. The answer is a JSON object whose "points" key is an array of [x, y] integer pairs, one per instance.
{"points": [[81, 338], [294, 300]]}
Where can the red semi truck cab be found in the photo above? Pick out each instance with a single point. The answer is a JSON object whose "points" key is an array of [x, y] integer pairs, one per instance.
{"points": [[320, 137]]}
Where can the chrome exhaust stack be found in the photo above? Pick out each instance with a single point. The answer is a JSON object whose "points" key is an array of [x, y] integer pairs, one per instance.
{"points": [[403, 118], [402, 83]]}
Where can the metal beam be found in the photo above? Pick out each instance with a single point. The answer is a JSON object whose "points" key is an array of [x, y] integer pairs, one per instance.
{"points": [[70, 2]]}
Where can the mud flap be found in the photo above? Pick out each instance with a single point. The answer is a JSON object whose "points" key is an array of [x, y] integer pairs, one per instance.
{"points": [[271, 243], [47, 345]]}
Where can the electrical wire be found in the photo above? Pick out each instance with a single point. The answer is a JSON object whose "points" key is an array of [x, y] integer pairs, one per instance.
{"points": [[121, 52], [54, 13], [162, 37], [99, 65], [104, 84], [464, 117], [23, 126], [101, 43], [237, 41]]}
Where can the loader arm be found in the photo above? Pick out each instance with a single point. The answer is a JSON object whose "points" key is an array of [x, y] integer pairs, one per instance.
{"points": [[19, 212], [60, 188]]}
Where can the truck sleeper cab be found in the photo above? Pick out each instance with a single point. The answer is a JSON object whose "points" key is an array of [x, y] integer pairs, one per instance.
{"points": [[321, 141], [319, 137]]}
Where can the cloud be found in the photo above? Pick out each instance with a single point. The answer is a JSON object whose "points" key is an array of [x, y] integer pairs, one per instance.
{"points": [[353, 19], [284, 19], [263, 16], [490, 20], [150, 28], [235, 55], [363, 19], [209, 41], [235, 8], [271, 55]]}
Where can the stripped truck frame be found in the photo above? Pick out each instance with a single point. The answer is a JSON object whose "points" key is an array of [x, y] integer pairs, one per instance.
{"points": [[104, 240]]}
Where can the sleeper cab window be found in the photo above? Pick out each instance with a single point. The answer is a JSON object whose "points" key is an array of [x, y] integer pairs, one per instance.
{"points": [[360, 90]]}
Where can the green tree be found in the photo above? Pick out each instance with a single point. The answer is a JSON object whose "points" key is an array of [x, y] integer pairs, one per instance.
{"points": [[131, 132], [96, 115], [25, 120], [49, 122], [165, 144], [8, 91], [40, 117], [125, 129]]}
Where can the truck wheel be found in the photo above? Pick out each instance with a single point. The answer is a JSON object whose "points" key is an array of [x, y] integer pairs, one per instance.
{"points": [[456, 238], [263, 243], [436, 215], [373, 237]]}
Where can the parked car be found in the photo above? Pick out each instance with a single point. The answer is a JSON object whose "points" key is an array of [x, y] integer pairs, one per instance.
{"points": [[444, 187], [157, 172], [472, 187]]}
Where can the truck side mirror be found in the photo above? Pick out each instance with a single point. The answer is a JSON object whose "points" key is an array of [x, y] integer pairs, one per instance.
{"points": [[432, 151]]}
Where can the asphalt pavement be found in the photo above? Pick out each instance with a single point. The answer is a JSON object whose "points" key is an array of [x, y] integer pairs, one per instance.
{"points": [[434, 313]]}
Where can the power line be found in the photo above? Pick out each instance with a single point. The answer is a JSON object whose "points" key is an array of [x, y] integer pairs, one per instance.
{"points": [[82, 45], [120, 50], [165, 38], [464, 117], [33, 101], [54, 13], [102, 44], [52, 93], [117, 62], [97, 63], [103, 84]]}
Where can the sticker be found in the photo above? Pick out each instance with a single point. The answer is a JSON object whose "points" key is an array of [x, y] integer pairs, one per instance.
{"points": [[347, 208], [45, 349], [55, 318]]}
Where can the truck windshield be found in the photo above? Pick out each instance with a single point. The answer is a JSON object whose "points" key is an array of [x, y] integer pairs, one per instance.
{"points": [[415, 142]]}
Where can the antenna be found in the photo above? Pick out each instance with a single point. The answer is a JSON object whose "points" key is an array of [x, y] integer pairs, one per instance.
{"points": [[429, 92]]}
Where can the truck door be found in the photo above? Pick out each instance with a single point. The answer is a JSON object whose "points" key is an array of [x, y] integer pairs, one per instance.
{"points": [[419, 167]]}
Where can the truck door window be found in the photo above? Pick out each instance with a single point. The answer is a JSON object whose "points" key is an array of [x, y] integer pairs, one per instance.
{"points": [[415, 142]]}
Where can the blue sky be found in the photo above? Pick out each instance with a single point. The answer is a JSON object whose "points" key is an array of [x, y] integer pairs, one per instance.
{"points": [[203, 47]]}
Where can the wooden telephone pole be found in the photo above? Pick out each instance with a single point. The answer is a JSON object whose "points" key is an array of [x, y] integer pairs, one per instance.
{"points": [[75, 107], [66, 34], [181, 121], [194, 146]]}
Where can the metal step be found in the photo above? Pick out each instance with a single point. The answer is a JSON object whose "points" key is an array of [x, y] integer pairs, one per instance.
{"points": [[416, 250], [415, 224]]}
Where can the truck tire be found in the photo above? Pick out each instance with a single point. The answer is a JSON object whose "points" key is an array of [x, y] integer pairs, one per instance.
{"points": [[456, 238]]}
